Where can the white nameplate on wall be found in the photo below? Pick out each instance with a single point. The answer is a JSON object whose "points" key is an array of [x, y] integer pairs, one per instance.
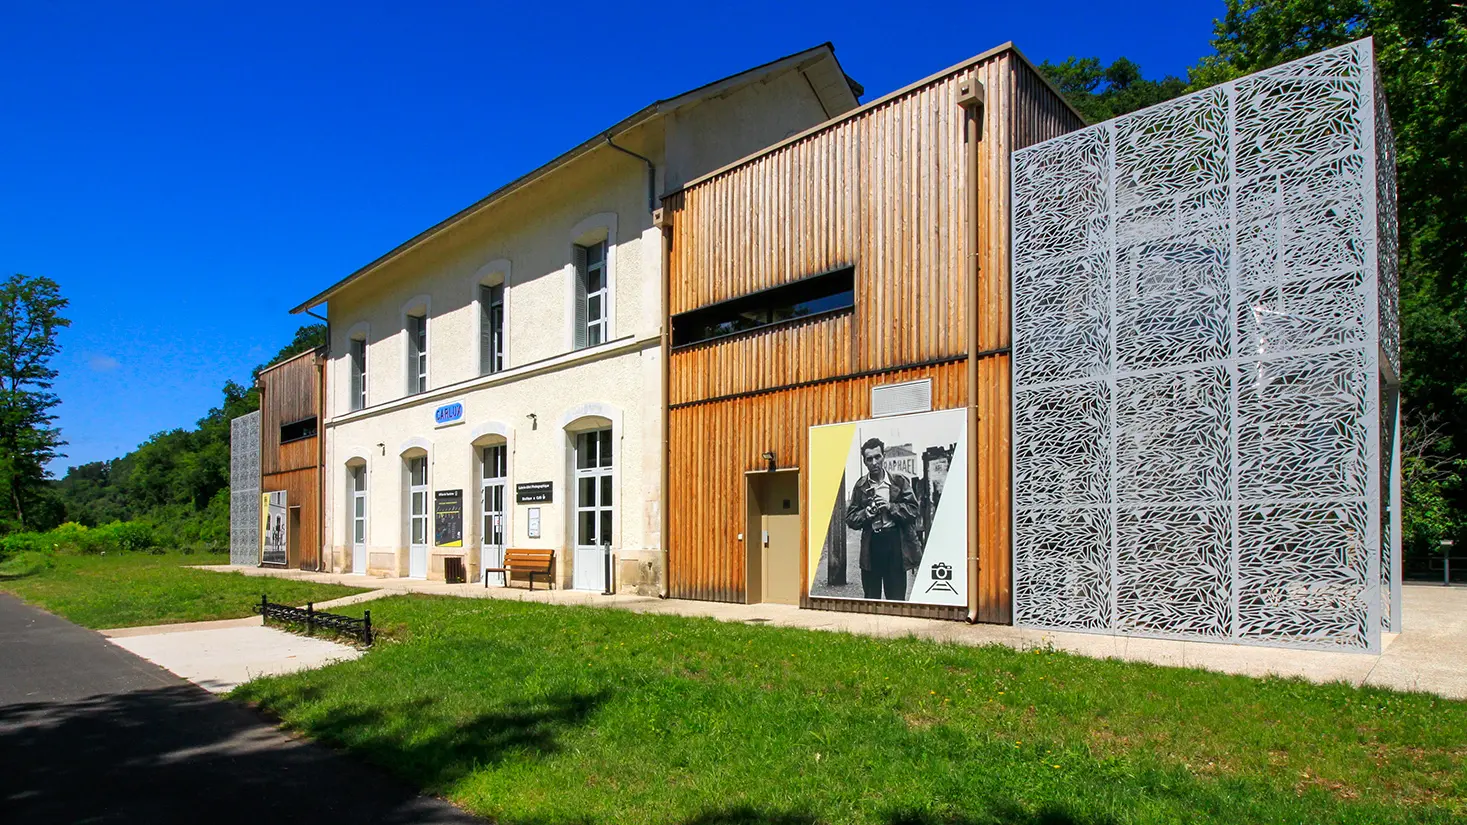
{"points": [[446, 415]]}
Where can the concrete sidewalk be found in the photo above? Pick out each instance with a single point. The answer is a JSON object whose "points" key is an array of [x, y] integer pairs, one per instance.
{"points": [[1430, 654], [223, 654]]}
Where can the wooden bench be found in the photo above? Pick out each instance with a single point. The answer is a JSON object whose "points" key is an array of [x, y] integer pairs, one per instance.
{"points": [[535, 562]]}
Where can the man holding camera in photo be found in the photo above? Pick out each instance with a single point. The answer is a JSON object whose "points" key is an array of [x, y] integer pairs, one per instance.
{"points": [[884, 508]]}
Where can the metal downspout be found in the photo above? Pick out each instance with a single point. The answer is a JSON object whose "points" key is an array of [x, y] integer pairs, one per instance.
{"points": [[651, 174], [321, 446], [970, 97], [660, 220]]}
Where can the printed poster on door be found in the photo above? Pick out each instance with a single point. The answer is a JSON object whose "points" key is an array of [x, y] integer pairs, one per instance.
{"points": [[889, 509], [274, 532], [448, 518]]}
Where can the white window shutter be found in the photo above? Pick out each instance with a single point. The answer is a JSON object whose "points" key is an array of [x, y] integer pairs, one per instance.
{"points": [[580, 302], [356, 374], [486, 330]]}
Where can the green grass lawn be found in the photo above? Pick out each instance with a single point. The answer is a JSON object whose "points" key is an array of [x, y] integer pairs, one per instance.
{"points": [[130, 589], [532, 713]]}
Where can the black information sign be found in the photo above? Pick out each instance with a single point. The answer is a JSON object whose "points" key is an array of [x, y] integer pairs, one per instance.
{"points": [[448, 518], [535, 492]]}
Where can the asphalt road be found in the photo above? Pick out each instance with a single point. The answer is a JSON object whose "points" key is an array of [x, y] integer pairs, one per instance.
{"points": [[91, 733]]}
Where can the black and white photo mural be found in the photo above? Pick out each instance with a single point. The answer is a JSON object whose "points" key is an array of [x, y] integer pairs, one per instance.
{"points": [[888, 504], [274, 532], [1205, 362]]}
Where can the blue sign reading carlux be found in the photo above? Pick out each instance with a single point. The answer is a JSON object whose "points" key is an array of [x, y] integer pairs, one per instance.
{"points": [[449, 414]]}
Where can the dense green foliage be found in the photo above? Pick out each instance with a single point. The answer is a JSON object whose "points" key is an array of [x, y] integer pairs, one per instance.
{"points": [[30, 317], [122, 589], [1421, 48], [177, 480], [525, 712], [1103, 92]]}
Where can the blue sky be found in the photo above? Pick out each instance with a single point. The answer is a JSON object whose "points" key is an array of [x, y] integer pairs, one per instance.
{"points": [[189, 172]]}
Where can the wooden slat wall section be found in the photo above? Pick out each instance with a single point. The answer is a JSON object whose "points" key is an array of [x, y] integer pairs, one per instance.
{"points": [[760, 360], [991, 458], [715, 444], [883, 191], [287, 393], [301, 488], [1023, 110], [1039, 112]]}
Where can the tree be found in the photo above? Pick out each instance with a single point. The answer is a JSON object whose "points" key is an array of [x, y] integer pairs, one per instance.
{"points": [[178, 479], [1421, 52], [1103, 92], [29, 320]]}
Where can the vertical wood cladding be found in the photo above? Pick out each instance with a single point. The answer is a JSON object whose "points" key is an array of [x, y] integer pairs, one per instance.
{"points": [[884, 189], [714, 445], [290, 392]]}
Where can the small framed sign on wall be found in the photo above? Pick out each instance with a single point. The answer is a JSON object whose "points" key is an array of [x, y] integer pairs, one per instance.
{"points": [[533, 522]]}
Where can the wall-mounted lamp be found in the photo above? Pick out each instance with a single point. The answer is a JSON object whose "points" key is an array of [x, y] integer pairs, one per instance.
{"points": [[382, 447], [769, 459], [534, 422]]}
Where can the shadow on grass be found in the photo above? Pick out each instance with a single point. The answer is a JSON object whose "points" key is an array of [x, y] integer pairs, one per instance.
{"points": [[1002, 814], [434, 752], [178, 755]]}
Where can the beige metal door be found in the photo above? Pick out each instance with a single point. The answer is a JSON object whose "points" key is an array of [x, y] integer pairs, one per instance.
{"points": [[774, 504]]}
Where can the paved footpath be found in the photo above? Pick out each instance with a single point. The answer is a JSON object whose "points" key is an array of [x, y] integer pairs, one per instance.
{"points": [[91, 733]]}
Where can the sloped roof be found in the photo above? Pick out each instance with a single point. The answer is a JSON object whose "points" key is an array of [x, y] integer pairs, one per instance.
{"points": [[830, 88]]}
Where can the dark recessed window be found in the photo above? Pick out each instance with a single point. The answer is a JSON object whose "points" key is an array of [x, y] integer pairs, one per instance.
{"points": [[296, 430], [831, 292]]}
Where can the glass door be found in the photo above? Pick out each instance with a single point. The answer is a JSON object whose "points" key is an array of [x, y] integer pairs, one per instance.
{"points": [[494, 464], [593, 475], [359, 519], [418, 518]]}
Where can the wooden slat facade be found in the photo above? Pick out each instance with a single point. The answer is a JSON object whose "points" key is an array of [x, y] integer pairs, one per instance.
{"points": [[291, 391], [883, 189]]}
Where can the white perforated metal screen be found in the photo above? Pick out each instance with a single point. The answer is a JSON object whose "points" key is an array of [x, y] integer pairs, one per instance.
{"points": [[1201, 294]]}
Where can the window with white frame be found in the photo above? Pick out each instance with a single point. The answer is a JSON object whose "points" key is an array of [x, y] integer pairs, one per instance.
{"points": [[417, 334], [592, 294], [358, 357], [418, 492], [594, 480], [491, 328]]}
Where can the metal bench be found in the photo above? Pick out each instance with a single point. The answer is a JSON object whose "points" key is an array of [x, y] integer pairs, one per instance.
{"points": [[534, 562]]}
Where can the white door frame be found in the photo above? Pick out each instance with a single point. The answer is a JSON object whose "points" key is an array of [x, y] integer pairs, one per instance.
{"points": [[358, 475], [594, 507], [493, 517], [418, 518]]}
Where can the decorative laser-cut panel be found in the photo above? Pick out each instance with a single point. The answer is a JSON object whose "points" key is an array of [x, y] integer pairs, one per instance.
{"points": [[244, 489], [1067, 570], [1204, 299]]}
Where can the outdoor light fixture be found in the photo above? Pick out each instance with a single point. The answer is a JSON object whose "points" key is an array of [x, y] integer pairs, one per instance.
{"points": [[769, 458], [534, 422], [382, 447]]}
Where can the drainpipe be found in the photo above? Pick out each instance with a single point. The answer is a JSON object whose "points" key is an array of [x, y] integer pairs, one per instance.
{"points": [[970, 97], [651, 174], [661, 220], [321, 445]]}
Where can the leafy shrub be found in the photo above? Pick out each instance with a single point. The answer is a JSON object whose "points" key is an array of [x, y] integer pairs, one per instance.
{"points": [[72, 537], [17, 543], [134, 535], [124, 536], [27, 563]]}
